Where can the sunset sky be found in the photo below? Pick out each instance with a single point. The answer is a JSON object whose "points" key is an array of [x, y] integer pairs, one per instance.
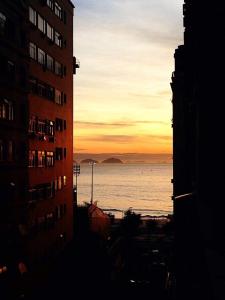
{"points": [[122, 96]]}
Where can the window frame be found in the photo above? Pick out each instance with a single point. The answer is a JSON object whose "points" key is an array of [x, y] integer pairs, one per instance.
{"points": [[32, 159], [50, 4], [32, 128], [58, 68], [50, 62], [58, 124], [49, 31], [58, 97], [50, 159], [59, 183], [50, 128], [41, 158], [41, 54], [32, 15], [58, 39], [11, 69], [2, 150], [58, 10], [41, 127], [41, 24], [33, 50], [6, 109]]}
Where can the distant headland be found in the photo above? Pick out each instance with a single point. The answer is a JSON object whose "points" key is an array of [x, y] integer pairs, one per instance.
{"points": [[88, 161], [112, 160], [126, 158]]}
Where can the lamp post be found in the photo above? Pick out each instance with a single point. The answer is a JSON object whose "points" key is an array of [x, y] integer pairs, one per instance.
{"points": [[92, 163], [76, 171]]}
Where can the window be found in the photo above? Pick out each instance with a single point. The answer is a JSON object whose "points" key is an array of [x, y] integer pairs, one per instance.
{"points": [[41, 24], [33, 196], [50, 63], [58, 68], [32, 125], [50, 32], [33, 51], [50, 159], [41, 127], [49, 217], [10, 69], [50, 92], [32, 16], [64, 17], [10, 110], [57, 212], [6, 150], [41, 89], [55, 184], [59, 124], [41, 158], [64, 71], [64, 152], [59, 183], [50, 4], [2, 150], [6, 110], [58, 97], [58, 39], [65, 98], [64, 180], [10, 153], [41, 56], [58, 153], [32, 159], [2, 23], [2, 110], [58, 10], [33, 85], [50, 128], [64, 123]]}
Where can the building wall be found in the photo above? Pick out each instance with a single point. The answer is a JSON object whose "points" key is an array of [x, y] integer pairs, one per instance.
{"points": [[198, 217], [60, 203], [13, 124], [43, 121]]}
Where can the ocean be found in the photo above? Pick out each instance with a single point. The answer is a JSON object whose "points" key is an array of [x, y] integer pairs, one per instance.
{"points": [[145, 188]]}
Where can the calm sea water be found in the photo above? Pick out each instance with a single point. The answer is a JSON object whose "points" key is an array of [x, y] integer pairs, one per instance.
{"points": [[146, 188]]}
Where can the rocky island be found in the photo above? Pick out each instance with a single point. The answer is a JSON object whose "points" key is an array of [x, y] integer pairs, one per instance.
{"points": [[112, 160], [88, 161]]}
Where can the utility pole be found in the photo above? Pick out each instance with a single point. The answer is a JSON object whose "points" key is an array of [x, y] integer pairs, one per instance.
{"points": [[76, 171], [92, 163]]}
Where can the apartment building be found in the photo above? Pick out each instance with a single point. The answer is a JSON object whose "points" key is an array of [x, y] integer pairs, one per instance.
{"points": [[36, 125]]}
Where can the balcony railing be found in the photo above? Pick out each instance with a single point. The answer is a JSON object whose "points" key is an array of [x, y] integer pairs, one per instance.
{"points": [[76, 64]]}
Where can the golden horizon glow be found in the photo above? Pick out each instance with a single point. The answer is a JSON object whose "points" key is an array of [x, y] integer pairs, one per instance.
{"points": [[122, 90]]}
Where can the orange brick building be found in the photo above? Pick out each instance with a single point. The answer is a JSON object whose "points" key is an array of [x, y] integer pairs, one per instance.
{"points": [[41, 126]]}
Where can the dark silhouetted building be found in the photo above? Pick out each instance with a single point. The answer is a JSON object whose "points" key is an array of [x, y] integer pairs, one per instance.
{"points": [[36, 128], [198, 129]]}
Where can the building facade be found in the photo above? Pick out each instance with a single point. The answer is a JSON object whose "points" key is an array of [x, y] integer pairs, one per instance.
{"points": [[36, 125], [198, 126], [13, 129]]}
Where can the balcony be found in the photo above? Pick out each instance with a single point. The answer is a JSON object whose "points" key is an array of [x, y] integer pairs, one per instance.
{"points": [[76, 64]]}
